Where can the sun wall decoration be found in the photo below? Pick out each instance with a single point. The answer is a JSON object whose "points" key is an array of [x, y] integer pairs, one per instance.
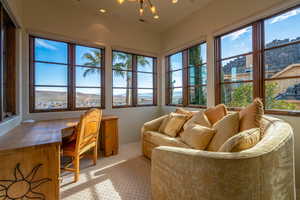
{"points": [[22, 187]]}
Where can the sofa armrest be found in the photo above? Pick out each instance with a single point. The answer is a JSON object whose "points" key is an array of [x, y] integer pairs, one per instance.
{"points": [[153, 125], [178, 173]]}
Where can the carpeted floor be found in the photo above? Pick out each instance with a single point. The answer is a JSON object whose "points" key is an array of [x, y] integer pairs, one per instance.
{"points": [[125, 176]]}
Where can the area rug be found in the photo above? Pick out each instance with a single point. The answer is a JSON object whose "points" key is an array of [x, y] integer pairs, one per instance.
{"points": [[115, 178]]}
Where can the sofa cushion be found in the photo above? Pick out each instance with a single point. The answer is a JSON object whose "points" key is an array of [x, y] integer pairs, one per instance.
{"points": [[216, 113], [241, 141], [250, 117], [173, 124], [189, 114], [225, 129], [159, 139], [198, 118], [197, 136]]}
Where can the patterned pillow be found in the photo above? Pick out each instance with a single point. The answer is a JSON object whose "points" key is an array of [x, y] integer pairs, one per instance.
{"points": [[242, 141]]}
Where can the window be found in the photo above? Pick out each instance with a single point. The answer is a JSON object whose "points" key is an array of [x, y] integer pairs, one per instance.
{"points": [[236, 66], [65, 76], [134, 80], [281, 55], [187, 77], [261, 60], [7, 66]]}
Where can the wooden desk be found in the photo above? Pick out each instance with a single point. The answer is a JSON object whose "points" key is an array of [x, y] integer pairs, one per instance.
{"points": [[31, 152]]}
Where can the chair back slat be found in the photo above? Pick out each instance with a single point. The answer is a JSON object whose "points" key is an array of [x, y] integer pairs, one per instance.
{"points": [[88, 129]]}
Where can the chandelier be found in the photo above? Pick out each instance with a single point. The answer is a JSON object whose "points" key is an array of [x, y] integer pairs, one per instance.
{"points": [[143, 4]]}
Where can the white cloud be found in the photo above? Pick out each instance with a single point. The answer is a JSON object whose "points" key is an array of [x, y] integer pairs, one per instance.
{"points": [[285, 16], [44, 44], [235, 35]]}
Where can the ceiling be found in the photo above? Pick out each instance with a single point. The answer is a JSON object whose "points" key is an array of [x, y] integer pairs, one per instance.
{"points": [[169, 13]]}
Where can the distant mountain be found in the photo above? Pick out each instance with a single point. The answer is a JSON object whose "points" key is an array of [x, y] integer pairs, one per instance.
{"points": [[275, 59]]}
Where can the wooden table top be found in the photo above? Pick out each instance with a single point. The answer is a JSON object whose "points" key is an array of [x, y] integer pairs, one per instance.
{"points": [[38, 133]]}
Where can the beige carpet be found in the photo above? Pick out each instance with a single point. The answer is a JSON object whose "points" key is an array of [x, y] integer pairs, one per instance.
{"points": [[125, 176]]}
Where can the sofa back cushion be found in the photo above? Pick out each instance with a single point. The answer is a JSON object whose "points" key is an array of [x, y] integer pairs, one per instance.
{"points": [[216, 113], [225, 129], [197, 136], [173, 124], [198, 119], [241, 141]]}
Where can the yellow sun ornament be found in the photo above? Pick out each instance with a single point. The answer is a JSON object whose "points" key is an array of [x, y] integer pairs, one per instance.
{"points": [[22, 187]]}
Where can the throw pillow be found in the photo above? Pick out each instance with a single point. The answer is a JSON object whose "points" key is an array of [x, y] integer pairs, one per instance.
{"points": [[173, 124], [184, 112], [197, 136], [242, 141], [225, 128], [199, 118], [250, 117], [216, 113]]}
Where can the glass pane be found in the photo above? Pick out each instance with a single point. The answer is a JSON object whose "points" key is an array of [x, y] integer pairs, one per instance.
{"points": [[176, 79], [282, 62], [51, 74], [198, 75], [88, 97], [122, 61], [176, 61], [283, 28], [236, 43], [176, 96], [144, 80], [122, 97], [88, 56], [197, 55], [51, 98], [88, 77], [237, 94], [283, 94], [51, 51], [144, 64], [145, 96], [237, 69], [198, 95], [122, 79]]}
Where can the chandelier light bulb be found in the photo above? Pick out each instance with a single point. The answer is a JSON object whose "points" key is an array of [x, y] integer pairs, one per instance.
{"points": [[141, 11], [156, 17], [174, 1], [153, 9], [121, 1]]}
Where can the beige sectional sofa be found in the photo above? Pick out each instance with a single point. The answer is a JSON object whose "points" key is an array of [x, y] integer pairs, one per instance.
{"points": [[264, 172]]}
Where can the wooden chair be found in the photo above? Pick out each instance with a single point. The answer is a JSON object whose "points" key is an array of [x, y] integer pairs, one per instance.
{"points": [[83, 139]]}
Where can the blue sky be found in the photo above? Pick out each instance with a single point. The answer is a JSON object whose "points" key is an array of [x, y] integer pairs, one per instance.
{"points": [[279, 27], [56, 74]]}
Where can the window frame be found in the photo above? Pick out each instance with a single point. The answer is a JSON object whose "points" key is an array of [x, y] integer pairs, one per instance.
{"points": [[258, 53], [71, 75], [134, 87], [8, 68], [185, 78]]}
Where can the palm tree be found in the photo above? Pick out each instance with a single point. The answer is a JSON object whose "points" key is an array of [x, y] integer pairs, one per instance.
{"points": [[94, 59], [121, 62], [196, 60]]}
